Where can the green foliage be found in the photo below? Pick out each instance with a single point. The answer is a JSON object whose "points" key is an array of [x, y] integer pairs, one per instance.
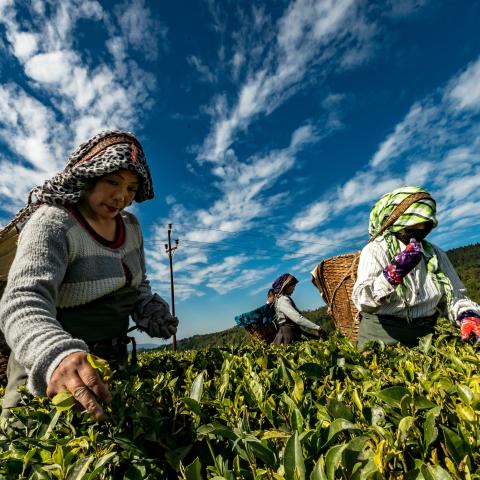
{"points": [[466, 261], [314, 410], [235, 336]]}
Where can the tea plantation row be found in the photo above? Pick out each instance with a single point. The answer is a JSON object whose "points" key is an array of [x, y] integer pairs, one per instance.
{"points": [[315, 410]]}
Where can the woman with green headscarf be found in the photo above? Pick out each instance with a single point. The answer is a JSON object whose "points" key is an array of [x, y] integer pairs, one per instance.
{"points": [[404, 281]]}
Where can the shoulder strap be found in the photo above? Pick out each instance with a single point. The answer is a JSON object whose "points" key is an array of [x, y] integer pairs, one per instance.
{"points": [[400, 209], [26, 211]]}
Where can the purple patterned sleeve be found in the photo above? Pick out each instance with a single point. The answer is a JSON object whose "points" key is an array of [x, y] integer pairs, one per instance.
{"points": [[403, 263]]}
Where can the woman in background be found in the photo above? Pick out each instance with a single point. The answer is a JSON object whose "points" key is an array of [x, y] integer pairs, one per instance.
{"points": [[404, 281], [289, 319]]}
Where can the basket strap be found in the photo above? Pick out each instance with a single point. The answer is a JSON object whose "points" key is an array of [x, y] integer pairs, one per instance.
{"points": [[400, 209]]}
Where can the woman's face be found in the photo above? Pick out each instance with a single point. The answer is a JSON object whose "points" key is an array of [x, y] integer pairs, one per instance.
{"points": [[418, 232], [111, 194], [289, 290]]}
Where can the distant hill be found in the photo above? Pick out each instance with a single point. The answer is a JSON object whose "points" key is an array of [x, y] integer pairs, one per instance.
{"points": [[465, 259]]}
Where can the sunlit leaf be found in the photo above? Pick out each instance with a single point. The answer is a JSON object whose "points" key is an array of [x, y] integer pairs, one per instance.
{"points": [[64, 400], [393, 395], [293, 461], [435, 472], [196, 391], [101, 365]]}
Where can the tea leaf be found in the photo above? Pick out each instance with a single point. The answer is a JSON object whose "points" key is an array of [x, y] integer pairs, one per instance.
{"points": [[194, 470], [339, 409], [337, 426], [293, 459], [430, 431], [425, 343], [465, 394], [456, 446], [393, 395], [196, 391], [64, 400], [192, 405], [318, 472], [333, 460], [435, 472], [79, 469], [101, 365]]}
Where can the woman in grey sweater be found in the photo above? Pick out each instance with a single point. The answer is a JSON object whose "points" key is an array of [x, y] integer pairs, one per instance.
{"points": [[79, 275], [289, 319]]}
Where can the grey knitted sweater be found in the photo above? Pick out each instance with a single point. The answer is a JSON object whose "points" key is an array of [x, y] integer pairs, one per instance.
{"points": [[59, 264]]}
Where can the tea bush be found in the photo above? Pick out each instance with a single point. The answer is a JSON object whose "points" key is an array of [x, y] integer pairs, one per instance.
{"points": [[315, 410]]}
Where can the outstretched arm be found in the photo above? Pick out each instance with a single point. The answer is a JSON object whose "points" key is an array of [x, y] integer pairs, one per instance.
{"points": [[284, 304]]}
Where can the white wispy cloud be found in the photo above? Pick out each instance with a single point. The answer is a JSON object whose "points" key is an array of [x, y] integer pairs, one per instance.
{"points": [[204, 72], [464, 91], [305, 27], [244, 189], [63, 96], [274, 60], [140, 28], [404, 8], [436, 145]]}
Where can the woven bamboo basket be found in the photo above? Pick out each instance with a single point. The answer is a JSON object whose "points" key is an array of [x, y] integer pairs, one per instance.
{"points": [[4, 350], [262, 333], [335, 277]]}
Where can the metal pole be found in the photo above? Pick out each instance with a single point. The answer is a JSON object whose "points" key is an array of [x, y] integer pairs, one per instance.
{"points": [[172, 291]]}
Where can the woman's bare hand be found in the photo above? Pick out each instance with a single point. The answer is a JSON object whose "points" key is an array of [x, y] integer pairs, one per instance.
{"points": [[75, 374]]}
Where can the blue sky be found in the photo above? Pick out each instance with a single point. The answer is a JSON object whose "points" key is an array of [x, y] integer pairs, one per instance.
{"points": [[271, 128]]}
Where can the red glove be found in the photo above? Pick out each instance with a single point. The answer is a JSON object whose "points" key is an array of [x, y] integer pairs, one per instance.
{"points": [[469, 324]]}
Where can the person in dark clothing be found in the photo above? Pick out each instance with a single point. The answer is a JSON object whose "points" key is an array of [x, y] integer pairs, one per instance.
{"points": [[289, 319]]}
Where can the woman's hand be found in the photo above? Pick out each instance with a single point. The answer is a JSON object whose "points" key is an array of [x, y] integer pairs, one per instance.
{"points": [[403, 263], [469, 325], [75, 374]]}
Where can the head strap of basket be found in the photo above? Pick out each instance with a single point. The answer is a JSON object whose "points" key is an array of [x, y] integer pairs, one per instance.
{"points": [[104, 153], [282, 282], [387, 219]]}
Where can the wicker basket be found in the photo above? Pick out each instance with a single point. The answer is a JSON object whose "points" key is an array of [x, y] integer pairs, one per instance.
{"points": [[335, 277], [4, 349], [262, 333]]}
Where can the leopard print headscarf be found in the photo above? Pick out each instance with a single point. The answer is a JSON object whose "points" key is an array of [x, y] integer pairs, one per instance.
{"points": [[104, 153]]}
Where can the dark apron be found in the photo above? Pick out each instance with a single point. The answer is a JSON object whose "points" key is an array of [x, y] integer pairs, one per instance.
{"points": [[101, 324], [391, 330], [288, 332]]}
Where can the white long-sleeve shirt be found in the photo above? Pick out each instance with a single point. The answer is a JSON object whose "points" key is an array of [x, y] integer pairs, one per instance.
{"points": [[284, 309], [372, 293]]}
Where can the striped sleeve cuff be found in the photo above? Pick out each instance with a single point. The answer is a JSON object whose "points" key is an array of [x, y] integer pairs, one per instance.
{"points": [[39, 376]]}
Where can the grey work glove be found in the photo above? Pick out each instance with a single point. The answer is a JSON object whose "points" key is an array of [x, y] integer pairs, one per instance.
{"points": [[155, 318], [162, 327]]}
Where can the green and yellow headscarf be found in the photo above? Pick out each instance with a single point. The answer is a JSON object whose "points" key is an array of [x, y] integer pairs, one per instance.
{"points": [[423, 210]]}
